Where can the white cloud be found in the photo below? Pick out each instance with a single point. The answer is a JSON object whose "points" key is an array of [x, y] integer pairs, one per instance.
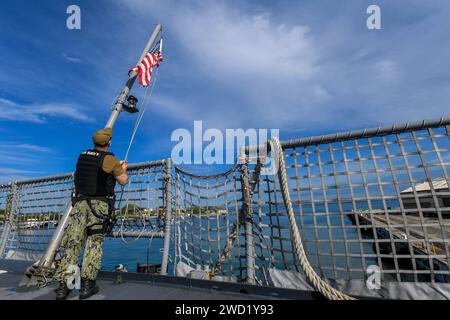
{"points": [[8, 156], [386, 70], [71, 59], [35, 148], [12, 174], [241, 63], [6, 170], [171, 107], [256, 65], [230, 44], [25, 160], [24, 147], [39, 113], [28, 155], [321, 94]]}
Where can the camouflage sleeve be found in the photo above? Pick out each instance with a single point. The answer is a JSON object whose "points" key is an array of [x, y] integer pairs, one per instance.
{"points": [[112, 164]]}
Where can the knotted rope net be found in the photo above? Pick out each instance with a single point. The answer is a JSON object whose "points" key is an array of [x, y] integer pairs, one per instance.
{"points": [[323, 287], [340, 205]]}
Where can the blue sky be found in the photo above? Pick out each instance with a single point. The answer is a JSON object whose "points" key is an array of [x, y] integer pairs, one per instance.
{"points": [[306, 67]]}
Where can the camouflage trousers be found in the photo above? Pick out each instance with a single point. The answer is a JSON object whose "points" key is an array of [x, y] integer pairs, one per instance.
{"points": [[76, 234]]}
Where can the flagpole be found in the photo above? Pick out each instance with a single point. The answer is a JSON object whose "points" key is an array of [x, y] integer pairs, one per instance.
{"points": [[126, 90], [48, 257]]}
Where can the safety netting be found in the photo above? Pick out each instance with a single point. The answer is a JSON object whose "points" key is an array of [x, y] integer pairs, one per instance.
{"points": [[207, 229], [140, 205], [374, 200], [37, 205], [365, 201]]}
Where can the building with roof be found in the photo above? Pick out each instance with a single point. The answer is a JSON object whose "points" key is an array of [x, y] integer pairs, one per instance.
{"points": [[424, 191]]}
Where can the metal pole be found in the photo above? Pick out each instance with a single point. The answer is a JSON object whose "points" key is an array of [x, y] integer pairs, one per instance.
{"points": [[168, 222], [250, 251], [49, 256], [4, 235], [357, 134], [126, 90], [9, 215], [50, 253], [248, 220]]}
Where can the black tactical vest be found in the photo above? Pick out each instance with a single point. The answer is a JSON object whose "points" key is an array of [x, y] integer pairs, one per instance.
{"points": [[90, 179]]}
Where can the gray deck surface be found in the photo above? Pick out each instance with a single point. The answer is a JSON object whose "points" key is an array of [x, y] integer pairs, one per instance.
{"points": [[140, 287]]}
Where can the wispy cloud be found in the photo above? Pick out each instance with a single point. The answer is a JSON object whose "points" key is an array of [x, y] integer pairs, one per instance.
{"points": [[241, 63], [229, 43], [71, 59], [233, 64], [36, 148], [24, 147], [29, 155], [297, 66], [24, 160], [39, 113], [12, 174]]}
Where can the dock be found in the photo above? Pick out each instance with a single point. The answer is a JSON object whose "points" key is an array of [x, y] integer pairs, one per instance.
{"points": [[425, 234]]}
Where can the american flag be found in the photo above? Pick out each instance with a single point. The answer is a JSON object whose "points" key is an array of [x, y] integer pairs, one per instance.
{"points": [[145, 68]]}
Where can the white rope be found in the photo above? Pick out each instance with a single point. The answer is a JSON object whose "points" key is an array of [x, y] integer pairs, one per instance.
{"points": [[126, 217], [323, 287], [145, 104], [141, 115], [228, 247]]}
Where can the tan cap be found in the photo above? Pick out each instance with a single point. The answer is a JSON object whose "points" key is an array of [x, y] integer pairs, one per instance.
{"points": [[102, 136]]}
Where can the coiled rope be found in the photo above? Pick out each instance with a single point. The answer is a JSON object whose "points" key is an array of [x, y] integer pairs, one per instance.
{"points": [[320, 285]]}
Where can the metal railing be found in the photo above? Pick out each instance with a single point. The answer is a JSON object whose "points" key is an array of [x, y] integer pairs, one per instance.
{"points": [[374, 197], [5, 210], [362, 199], [34, 206]]}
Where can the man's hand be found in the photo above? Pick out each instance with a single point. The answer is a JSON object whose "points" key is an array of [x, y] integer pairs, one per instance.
{"points": [[123, 178]]}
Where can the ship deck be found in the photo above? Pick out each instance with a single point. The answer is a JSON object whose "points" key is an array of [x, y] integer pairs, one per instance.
{"points": [[139, 286]]}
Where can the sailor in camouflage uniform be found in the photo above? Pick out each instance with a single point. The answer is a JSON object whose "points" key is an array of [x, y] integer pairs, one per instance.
{"points": [[91, 217]]}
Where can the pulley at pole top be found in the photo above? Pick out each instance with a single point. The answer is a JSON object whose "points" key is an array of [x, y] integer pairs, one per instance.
{"points": [[133, 74], [131, 107]]}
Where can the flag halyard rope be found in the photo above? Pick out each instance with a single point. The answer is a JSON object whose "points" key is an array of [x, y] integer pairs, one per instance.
{"points": [[145, 104]]}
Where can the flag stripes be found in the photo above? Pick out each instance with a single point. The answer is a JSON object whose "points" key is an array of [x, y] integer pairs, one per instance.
{"points": [[144, 69]]}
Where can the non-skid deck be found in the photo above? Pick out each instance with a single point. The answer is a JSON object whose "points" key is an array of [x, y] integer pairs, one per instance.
{"points": [[144, 287]]}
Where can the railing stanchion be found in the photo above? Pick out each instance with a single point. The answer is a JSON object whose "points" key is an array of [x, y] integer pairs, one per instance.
{"points": [[168, 216]]}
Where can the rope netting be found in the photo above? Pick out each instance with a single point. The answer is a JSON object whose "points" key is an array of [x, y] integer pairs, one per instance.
{"points": [[38, 207], [338, 205], [40, 203], [360, 200], [140, 211], [381, 200], [207, 209]]}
